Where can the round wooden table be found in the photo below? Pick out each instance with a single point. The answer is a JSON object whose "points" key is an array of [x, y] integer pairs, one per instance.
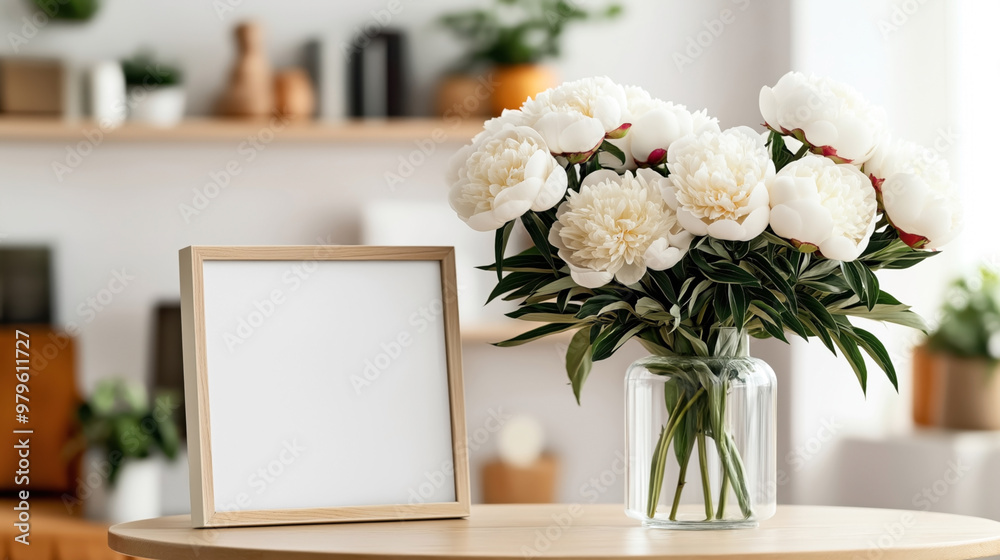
{"points": [[577, 532]]}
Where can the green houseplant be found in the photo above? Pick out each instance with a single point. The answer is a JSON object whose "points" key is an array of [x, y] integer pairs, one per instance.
{"points": [[121, 422], [155, 90], [125, 433], [965, 354], [513, 37]]}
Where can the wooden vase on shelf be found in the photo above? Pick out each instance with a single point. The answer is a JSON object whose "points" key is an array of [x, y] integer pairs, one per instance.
{"points": [[515, 83], [926, 387], [463, 96], [969, 393], [250, 91], [293, 94], [509, 484]]}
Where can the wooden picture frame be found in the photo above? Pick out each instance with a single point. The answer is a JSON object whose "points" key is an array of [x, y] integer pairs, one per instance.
{"points": [[282, 335]]}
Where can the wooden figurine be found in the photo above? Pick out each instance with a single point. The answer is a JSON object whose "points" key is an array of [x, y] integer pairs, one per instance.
{"points": [[250, 91], [293, 94]]}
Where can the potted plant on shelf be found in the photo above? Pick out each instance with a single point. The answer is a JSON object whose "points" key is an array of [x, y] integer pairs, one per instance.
{"points": [[650, 223], [127, 436], [513, 37], [155, 95], [965, 355]]}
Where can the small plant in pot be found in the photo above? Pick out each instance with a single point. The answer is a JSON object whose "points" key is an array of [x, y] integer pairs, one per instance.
{"points": [[965, 349], [155, 94], [125, 434], [513, 37]]}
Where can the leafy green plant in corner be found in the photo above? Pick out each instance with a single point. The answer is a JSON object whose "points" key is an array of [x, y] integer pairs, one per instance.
{"points": [[69, 10], [121, 421], [970, 318], [142, 70], [512, 32]]}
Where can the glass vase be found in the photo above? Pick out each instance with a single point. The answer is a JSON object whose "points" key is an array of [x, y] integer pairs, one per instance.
{"points": [[700, 434]]}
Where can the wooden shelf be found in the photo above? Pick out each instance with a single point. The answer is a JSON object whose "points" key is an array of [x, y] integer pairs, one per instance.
{"points": [[234, 130]]}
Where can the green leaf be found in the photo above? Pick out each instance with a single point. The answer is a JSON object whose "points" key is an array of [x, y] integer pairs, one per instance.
{"points": [[612, 338], [793, 323], [697, 344], [564, 283], [512, 282], [817, 310], [862, 282], [662, 281], [723, 272], [874, 348], [694, 300], [720, 305], [593, 305], [613, 150], [781, 283], [536, 333], [739, 304], [849, 348], [500, 246], [537, 231], [770, 319], [646, 306], [578, 361]]}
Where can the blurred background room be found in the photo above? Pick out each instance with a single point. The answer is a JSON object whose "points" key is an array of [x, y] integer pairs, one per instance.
{"points": [[129, 130]]}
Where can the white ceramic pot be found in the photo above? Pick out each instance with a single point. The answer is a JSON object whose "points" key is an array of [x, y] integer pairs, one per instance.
{"points": [[161, 106], [135, 495], [107, 94]]}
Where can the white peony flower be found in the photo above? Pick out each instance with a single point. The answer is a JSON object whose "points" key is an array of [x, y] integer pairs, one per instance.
{"points": [[655, 125], [830, 206], [717, 183], [574, 118], [617, 227], [903, 156], [918, 195], [513, 117], [501, 176], [926, 213], [833, 118]]}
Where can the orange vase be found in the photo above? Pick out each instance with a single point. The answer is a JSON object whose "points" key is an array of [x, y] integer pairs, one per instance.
{"points": [[514, 84], [926, 387]]}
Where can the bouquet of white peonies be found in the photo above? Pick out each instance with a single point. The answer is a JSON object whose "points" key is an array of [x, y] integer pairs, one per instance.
{"points": [[650, 222]]}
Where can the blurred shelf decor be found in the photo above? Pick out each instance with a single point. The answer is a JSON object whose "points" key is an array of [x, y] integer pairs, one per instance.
{"points": [[154, 90], [511, 38], [126, 435], [957, 372], [522, 473], [230, 130]]}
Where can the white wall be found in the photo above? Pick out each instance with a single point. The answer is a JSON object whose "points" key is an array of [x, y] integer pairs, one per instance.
{"points": [[901, 55], [119, 208]]}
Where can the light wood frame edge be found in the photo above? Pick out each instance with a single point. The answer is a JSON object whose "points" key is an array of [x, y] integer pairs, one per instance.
{"points": [[198, 419]]}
